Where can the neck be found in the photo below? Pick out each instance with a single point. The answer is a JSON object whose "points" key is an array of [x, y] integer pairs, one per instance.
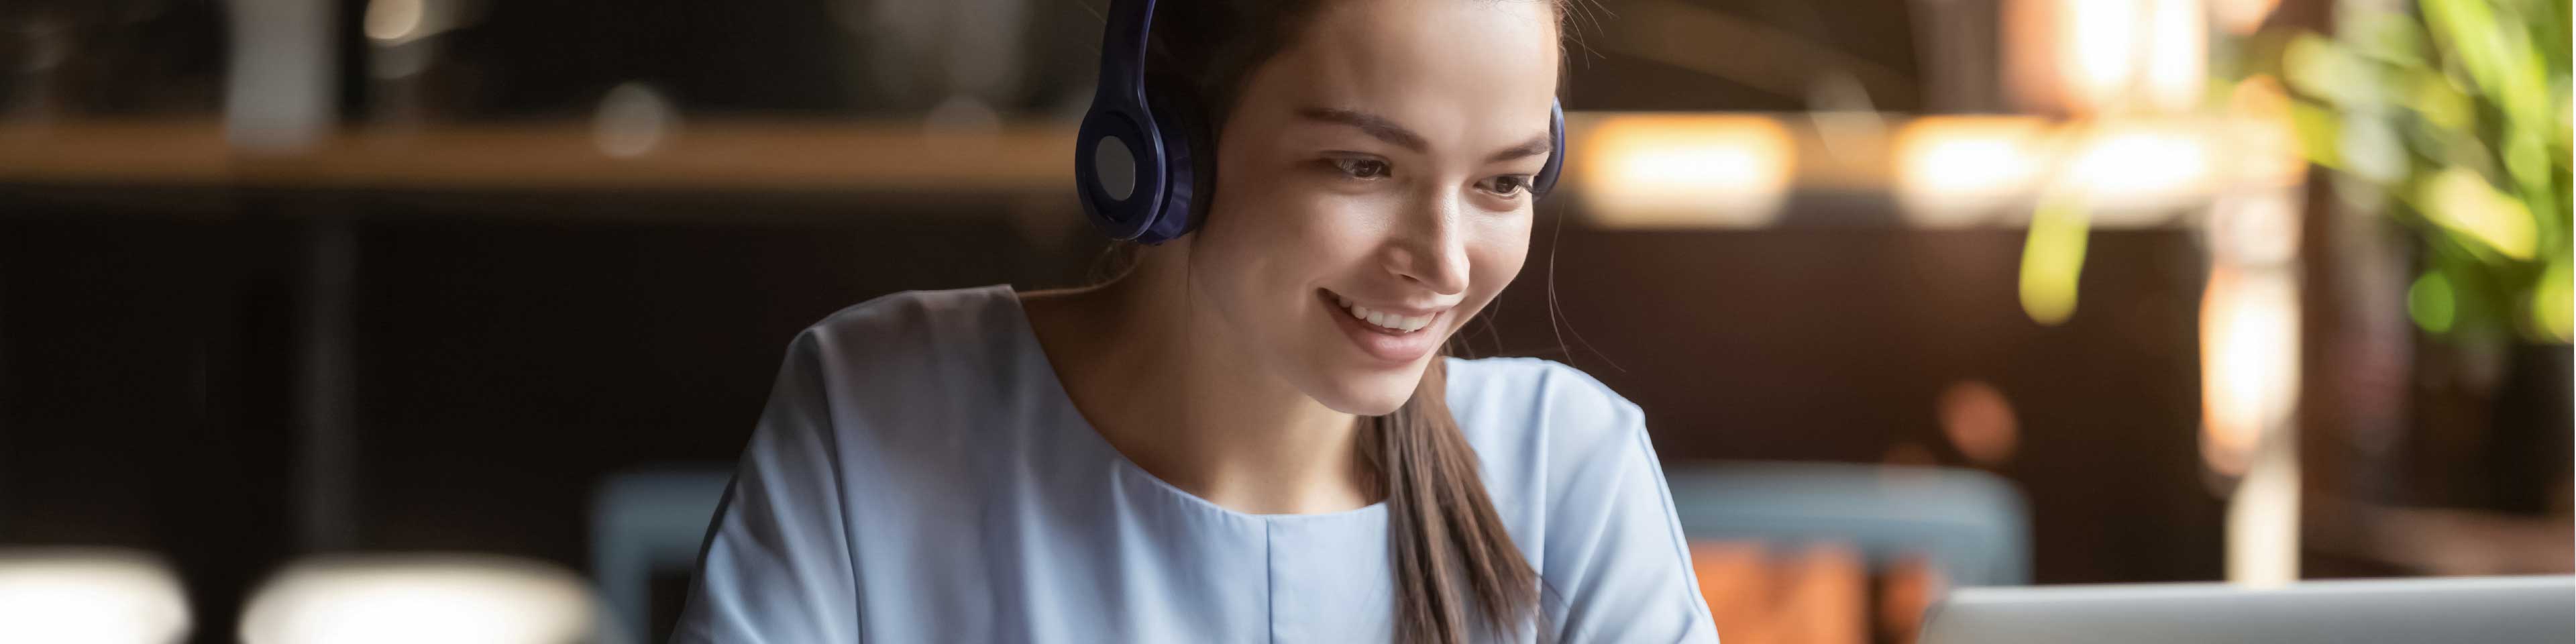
{"points": [[1170, 386]]}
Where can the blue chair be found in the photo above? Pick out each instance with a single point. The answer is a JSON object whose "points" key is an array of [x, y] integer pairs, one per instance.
{"points": [[1973, 526], [644, 521]]}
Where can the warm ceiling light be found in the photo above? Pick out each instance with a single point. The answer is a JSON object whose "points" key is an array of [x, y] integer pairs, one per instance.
{"points": [[2249, 352], [1959, 171], [2107, 56], [1681, 170], [89, 596], [419, 599], [2140, 173]]}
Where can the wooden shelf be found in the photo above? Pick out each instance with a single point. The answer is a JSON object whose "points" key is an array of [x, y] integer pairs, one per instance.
{"points": [[1629, 170], [828, 156]]}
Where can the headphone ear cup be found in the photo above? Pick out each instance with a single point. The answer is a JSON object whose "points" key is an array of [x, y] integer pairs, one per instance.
{"points": [[1189, 163]]}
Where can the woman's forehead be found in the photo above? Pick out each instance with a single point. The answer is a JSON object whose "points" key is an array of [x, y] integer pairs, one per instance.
{"points": [[1462, 72]]}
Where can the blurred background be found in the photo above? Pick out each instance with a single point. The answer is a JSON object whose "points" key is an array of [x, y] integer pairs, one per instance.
{"points": [[443, 320]]}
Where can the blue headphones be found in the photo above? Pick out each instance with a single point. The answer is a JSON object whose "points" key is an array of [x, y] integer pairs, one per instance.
{"points": [[1144, 153]]}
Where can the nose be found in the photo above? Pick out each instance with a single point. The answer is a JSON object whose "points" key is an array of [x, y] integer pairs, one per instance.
{"points": [[1430, 248]]}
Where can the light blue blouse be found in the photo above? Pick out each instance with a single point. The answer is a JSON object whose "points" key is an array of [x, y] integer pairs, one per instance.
{"points": [[920, 475]]}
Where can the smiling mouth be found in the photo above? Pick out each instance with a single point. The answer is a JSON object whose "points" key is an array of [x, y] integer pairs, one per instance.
{"points": [[1393, 340], [1376, 320]]}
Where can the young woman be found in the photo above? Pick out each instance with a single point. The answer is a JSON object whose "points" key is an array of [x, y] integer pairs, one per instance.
{"points": [[1250, 435]]}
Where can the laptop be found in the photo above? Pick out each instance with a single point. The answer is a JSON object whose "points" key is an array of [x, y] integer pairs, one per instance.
{"points": [[2488, 610]]}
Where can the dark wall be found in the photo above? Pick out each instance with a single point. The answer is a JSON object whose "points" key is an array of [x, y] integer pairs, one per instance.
{"points": [[143, 381], [1832, 343]]}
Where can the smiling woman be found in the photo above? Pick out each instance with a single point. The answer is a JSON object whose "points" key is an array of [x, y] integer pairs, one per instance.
{"points": [[1250, 434]]}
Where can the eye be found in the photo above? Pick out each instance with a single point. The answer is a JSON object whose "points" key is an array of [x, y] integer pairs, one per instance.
{"points": [[1507, 185], [1360, 167]]}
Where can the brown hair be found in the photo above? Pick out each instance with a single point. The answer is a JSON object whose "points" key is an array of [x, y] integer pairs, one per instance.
{"points": [[1455, 566]]}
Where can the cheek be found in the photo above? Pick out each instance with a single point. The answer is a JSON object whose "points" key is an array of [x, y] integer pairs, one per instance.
{"points": [[1266, 246], [1294, 234], [1496, 254], [1255, 198]]}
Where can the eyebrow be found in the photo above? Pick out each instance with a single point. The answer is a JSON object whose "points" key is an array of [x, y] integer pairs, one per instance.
{"points": [[1371, 124], [1385, 129], [1539, 145]]}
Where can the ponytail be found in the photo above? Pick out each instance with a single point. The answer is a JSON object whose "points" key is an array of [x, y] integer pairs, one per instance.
{"points": [[1454, 563]]}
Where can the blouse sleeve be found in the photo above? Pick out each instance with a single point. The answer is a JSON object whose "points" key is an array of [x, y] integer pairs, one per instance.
{"points": [[1616, 563], [776, 566]]}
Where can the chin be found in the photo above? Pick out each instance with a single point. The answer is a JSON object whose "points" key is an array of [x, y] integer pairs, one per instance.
{"points": [[1371, 393]]}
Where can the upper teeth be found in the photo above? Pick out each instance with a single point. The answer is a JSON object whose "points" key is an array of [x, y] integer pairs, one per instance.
{"points": [[1385, 319]]}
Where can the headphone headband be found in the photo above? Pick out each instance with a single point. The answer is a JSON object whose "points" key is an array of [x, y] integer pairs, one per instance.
{"points": [[1122, 48]]}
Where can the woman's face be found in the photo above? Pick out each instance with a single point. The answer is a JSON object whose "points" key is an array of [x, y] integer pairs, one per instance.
{"points": [[1378, 165]]}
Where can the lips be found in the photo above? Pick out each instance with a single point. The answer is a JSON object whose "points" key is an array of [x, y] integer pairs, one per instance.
{"points": [[1392, 336]]}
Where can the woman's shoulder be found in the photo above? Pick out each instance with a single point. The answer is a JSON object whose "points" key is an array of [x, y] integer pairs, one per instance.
{"points": [[920, 376], [911, 326], [1529, 414], [1533, 391], [888, 350], [1574, 474], [910, 313]]}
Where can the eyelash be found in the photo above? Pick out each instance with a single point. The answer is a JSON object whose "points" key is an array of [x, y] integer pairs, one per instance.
{"points": [[1346, 166], [1366, 169]]}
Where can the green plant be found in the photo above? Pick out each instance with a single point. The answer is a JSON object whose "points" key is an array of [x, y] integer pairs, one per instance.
{"points": [[2453, 118]]}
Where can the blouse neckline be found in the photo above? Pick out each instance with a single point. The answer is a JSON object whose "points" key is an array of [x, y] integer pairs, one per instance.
{"points": [[1060, 399]]}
